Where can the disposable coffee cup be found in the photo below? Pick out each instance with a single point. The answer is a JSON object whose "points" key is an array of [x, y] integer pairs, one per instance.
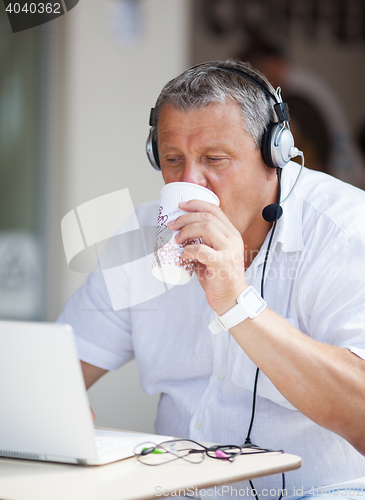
{"points": [[168, 265]]}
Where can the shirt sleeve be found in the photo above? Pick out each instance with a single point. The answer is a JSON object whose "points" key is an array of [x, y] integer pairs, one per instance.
{"points": [[103, 336], [100, 311], [333, 310]]}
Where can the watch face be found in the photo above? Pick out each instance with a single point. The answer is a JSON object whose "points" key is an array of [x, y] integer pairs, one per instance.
{"points": [[254, 300]]}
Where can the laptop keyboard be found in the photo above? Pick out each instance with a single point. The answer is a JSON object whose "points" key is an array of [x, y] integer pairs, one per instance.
{"points": [[121, 444], [108, 445]]}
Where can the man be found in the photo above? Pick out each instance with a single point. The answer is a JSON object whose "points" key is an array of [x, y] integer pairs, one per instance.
{"points": [[309, 343]]}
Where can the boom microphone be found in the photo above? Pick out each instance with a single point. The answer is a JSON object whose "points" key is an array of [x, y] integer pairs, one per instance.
{"points": [[269, 212]]}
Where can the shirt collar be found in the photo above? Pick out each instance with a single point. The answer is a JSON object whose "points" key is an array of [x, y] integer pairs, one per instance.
{"points": [[289, 227]]}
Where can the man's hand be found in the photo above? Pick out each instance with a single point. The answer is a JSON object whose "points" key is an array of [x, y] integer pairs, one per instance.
{"points": [[220, 268]]}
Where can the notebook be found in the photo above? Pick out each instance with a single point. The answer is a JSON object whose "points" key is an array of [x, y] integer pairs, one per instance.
{"points": [[45, 413]]}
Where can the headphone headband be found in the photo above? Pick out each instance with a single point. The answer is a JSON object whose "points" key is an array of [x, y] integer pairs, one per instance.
{"points": [[251, 79], [281, 108]]}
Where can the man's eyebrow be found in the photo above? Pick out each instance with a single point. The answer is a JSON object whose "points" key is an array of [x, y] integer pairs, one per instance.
{"points": [[168, 146]]}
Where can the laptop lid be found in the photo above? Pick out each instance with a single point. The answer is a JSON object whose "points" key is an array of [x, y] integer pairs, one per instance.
{"points": [[44, 407]]}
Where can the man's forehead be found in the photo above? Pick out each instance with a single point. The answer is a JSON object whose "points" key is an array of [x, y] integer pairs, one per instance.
{"points": [[208, 117], [229, 105], [220, 130]]}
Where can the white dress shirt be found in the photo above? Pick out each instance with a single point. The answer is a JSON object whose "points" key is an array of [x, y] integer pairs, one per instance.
{"points": [[315, 279]]}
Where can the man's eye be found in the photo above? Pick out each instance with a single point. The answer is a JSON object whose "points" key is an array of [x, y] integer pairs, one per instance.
{"points": [[216, 159]]}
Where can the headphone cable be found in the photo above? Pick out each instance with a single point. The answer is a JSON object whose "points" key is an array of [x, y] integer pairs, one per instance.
{"points": [[300, 153], [248, 437]]}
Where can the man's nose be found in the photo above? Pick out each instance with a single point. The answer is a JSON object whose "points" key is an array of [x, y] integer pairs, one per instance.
{"points": [[194, 173]]}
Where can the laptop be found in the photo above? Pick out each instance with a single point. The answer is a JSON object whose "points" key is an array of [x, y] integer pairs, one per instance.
{"points": [[45, 413]]}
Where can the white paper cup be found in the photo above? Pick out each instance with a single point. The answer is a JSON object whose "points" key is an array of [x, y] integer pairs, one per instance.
{"points": [[168, 266]]}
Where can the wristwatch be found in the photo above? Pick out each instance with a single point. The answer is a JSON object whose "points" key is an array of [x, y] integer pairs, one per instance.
{"points": [[249, 305]]}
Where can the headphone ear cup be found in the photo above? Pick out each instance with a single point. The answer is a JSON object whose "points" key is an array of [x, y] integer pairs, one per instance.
{"points": [[155, 153], [277, 145], [152, 151], [266, 145]]}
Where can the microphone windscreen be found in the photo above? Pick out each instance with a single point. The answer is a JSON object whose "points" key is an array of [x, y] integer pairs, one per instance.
{"points": [[269, 212]]}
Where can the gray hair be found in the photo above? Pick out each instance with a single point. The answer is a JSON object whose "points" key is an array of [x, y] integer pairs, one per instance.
{"points": [[206, 83]]}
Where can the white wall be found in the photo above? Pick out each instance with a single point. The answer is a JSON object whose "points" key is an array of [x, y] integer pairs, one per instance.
{"points": [[101, 92]]}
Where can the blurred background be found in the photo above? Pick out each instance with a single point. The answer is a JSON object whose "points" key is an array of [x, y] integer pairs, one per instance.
{"points": [[75, 97]]}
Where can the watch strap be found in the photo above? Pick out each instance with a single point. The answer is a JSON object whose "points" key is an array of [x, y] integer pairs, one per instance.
{"points": [[249, 305]]}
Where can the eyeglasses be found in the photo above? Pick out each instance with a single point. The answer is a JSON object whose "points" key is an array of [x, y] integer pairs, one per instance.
{"points": [[191, 451]]}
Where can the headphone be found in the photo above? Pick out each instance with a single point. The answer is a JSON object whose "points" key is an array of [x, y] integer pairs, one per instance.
{"points": [[277, 142]]}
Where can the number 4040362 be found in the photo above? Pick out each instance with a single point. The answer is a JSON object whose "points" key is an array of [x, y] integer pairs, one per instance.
{"points": [[34, 8]]}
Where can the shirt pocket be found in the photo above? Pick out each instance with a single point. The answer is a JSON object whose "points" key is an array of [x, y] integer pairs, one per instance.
{"points": [[243, 375]]}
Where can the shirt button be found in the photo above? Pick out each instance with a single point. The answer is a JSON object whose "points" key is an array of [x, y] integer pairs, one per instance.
{"points": [[198, 425], [219, 377]]}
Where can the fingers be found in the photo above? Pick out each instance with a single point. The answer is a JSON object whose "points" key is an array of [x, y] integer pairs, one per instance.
{"points": [[204, 206], [213, 226], [225, 262], [200, 217], [208, 231], [202, 253]]}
